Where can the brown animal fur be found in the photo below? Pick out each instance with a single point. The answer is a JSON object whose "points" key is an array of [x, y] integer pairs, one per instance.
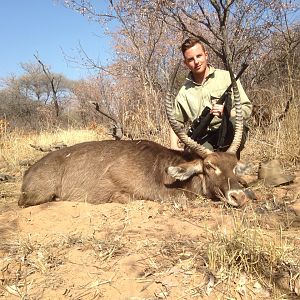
{"points": [[107, 171]]}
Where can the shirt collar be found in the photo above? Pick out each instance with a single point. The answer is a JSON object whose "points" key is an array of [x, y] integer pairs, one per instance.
{"points": [[210, 74]]}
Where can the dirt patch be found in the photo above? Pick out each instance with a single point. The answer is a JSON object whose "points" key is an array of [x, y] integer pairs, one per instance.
{"points": [[139, 250]]}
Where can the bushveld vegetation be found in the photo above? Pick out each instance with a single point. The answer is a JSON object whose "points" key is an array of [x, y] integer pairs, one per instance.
{"points": [[255, 251], [146, 43]]}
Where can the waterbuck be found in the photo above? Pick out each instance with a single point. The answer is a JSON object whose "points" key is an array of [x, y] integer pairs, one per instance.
{"points": [[117, 171]]}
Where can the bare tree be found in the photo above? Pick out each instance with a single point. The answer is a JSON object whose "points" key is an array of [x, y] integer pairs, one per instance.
{"points": [[148, 34], [248, 23], [145, 52], [98, 92], [56, 82], [27, 98]]}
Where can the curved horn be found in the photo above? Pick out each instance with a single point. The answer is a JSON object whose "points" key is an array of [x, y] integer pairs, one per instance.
{"points": [[176, 126], [238, 116]]}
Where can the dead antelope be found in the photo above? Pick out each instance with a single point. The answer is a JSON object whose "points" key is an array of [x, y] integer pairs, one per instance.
{"points": [[117, 171]]}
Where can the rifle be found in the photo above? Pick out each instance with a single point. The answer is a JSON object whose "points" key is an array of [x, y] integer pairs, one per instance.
{"points": [[200, 124]]}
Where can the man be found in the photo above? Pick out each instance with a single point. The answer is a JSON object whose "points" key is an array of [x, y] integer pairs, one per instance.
{"points": [[203, 87]]}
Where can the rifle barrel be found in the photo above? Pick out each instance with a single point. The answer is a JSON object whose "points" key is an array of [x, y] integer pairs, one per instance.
{"points": [[242, 70]]}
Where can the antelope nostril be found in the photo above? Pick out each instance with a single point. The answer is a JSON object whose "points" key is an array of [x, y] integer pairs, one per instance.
{"points": [[237, 198], [250, 194]]}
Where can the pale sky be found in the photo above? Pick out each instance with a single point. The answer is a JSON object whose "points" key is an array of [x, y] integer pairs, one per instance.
{"points": [[46, 27]]}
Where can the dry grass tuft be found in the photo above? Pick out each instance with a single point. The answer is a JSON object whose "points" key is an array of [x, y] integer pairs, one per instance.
{"points": [[244, 253], [280, 140], [15, 146], [246, 250], [253, 253]]}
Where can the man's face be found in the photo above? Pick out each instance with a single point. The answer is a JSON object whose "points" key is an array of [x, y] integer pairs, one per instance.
{"points": [[196, 59]]}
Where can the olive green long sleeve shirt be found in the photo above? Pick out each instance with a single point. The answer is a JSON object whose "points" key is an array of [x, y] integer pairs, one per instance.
{"points": [[193, 97]]}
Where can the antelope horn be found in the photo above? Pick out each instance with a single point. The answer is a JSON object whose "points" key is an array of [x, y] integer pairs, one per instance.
{"points": [[238, 116], [176, 126]]}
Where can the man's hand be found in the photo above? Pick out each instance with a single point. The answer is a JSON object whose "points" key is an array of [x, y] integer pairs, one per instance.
{"points": [[217, 110]]}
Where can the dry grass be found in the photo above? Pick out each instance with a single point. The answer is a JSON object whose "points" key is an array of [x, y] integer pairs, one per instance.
{"points": [[29, 260], [280, 140], [245, 253], [249, 250], [15, 146]]}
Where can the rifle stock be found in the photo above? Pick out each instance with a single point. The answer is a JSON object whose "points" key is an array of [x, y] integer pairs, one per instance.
{"points": [[200, 124]]}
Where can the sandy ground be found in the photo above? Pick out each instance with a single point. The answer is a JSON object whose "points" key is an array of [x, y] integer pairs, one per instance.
{"points": [[139, 250]]}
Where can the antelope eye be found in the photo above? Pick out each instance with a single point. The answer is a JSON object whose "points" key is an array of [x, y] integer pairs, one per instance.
{"points": [[210, 166]]}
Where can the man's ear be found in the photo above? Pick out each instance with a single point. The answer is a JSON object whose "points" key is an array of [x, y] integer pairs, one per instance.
{"points": [[185, 170], [206, 54]]}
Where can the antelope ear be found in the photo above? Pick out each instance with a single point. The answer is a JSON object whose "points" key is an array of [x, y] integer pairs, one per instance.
{"points": [[185, 170]]}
